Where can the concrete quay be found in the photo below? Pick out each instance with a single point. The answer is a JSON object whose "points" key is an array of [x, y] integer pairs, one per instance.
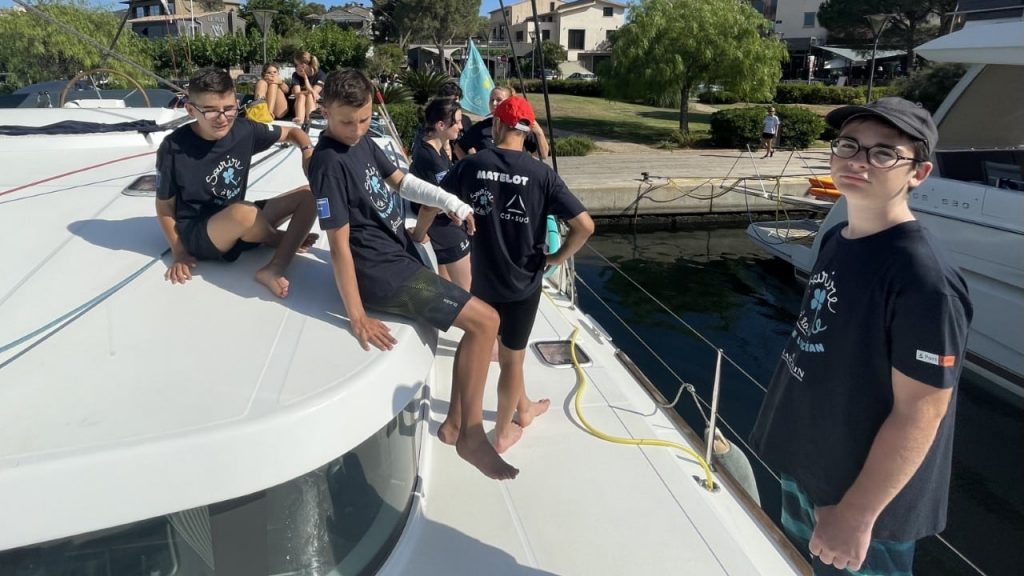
{"points": [[689, 182]]}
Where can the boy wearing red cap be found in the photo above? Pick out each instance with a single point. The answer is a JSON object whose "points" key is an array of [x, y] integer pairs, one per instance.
{"points": [[511, 195], [859, 415]]}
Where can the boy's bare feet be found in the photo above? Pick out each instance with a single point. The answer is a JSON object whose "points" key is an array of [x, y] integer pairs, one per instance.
{"points": [[448, 433], [311, 239], [474, 448], [274, 280], [505, 439], [525, 417]]}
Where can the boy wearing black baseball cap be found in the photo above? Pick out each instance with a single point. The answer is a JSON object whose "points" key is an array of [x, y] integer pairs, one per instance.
{"points": [[511, 195], [859, 415]]}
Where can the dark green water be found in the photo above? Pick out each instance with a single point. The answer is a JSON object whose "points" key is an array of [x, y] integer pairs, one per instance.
{"points": [[745, 302]]}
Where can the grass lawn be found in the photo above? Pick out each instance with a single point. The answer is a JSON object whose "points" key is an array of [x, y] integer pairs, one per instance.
{"points": [[600, 118], [636, 123]]}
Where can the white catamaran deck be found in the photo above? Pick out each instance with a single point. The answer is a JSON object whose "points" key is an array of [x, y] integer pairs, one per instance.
{"points": [[580, 505]]}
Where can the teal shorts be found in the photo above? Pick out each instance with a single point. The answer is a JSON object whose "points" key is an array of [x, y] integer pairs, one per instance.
{"points": [[885, 557]]}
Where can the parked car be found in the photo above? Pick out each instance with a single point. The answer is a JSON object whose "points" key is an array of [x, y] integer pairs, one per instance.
{"points": [[547, 74], [582, 76]]}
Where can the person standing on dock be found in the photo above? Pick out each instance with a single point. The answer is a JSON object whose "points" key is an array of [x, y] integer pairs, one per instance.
{"points": [[859, 415], [769, 131], [511, 195]]}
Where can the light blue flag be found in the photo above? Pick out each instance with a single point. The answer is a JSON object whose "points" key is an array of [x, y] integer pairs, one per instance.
{"points": [[476, 83]]}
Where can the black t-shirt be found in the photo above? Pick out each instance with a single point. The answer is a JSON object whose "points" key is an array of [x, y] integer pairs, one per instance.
{"points": [[511, 194], [480, 136], [350, 188], [888, 300], [417, 141], [315, 80], [204, 176], [432, 166]]}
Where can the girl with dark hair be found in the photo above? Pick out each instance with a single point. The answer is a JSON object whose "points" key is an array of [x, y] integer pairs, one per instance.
{"points": [[431, 160]]}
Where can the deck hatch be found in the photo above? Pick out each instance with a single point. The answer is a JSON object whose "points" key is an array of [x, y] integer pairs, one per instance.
{"points": [[141, 186], [557, 353]]}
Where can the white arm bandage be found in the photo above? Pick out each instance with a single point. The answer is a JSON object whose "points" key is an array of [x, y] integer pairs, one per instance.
{"points": [[427, 194]]}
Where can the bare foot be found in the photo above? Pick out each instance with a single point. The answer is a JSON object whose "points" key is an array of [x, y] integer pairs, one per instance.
{"points": [[273, 280], [505, 439], [474, 448], [311, 239], [448, 433], [525, 417]]}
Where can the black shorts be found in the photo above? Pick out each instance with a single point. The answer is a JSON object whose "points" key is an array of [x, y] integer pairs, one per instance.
{"points": [[425, 297], [450, 242], [767, 135], [517, 320], [196, 238]]}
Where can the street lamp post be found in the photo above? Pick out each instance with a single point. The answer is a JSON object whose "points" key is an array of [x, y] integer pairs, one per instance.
{"points": [[877, 22], [264, 18]]}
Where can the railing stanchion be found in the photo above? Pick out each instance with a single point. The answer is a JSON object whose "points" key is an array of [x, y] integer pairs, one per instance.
{"points": [[710, 438]]}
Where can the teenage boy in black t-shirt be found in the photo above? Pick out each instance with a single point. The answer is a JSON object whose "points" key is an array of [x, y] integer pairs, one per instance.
{"points": [[376, 264], [202, 175], [512, 194], [859, 415]]}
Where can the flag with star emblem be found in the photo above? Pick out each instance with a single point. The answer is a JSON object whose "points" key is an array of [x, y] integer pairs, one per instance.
{"points": [[476, 83]]}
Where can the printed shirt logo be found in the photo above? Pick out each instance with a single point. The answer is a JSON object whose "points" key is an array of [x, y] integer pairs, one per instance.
{"points": [[929, 358], [381, 197], [515, 211], [482, 201], [323, 208], [226, 179], [813, 320]]}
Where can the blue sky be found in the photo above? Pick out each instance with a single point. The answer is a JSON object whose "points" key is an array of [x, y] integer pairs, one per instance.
{"points": [[485, 6]]}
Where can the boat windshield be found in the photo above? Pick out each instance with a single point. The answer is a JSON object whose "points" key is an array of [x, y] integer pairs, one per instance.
{"points": [[981, 137], [343, 517]]}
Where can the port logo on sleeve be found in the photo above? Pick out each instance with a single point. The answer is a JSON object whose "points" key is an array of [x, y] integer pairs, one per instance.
{"points": [[929, 358]]}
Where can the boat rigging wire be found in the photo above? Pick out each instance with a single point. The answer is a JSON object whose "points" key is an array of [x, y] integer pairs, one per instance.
{"points": [[103, 49], [689, 387], [76, 171]]}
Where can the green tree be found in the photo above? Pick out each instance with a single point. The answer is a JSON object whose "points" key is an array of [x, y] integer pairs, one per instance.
{"points": [[34, 50], [913, 22], [336, 47], [386, 59], [288, 22], [554, 55], [671, 46], [437, 21]]}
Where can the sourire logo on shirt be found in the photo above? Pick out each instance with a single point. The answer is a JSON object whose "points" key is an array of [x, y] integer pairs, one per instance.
{"points": [[380, 196], [482, 201], [226, 179]]}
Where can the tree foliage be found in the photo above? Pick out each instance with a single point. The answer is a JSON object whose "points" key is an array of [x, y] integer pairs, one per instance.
{"points": [[554, 54], [288, 22], [671, 46], [437, 21], [180, 57], [336, 47], [913, 23], [387, 59], [34, 50]]}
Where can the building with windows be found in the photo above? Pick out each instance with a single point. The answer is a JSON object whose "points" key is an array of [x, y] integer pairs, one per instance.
{"points": [[582, 27], [350, 16], [796, 23], [179, 18]]}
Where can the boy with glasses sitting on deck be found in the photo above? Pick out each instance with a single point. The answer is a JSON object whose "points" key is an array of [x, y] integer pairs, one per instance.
{"points": [[202, 176], [859, 415]]}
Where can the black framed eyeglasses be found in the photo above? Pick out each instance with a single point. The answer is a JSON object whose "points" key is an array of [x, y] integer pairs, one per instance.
{"points": [[229, 113], [879, 155]]}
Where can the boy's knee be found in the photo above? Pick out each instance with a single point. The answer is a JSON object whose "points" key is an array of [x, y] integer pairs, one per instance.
{"points": [[245, 213]]}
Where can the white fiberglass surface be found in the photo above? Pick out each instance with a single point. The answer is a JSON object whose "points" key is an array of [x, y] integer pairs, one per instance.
{"points": [[580, 505], [123, 396]]}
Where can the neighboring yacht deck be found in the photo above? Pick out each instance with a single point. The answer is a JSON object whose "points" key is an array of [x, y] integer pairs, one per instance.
{"points": [[580, 505]]}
